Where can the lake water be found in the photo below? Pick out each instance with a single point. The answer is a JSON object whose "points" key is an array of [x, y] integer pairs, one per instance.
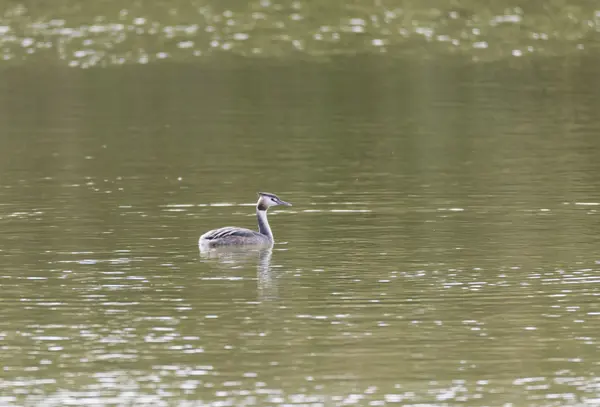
{"points": [[442, 248]]}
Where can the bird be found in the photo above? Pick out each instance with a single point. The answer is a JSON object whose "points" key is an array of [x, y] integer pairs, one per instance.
{"points": [[235, 236]]}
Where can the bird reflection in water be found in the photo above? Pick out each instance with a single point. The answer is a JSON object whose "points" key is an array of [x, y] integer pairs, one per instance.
{"points": [[239, 257]]}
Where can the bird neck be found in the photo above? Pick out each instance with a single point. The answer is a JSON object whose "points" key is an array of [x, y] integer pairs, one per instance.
{"points": [[263, 223]]}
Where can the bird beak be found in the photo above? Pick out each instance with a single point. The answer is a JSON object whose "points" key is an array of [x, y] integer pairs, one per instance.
{"points": [[285, 203]]}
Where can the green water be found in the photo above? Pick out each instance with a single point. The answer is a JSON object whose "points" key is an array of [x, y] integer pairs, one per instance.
{"points": [[113, 33], [442, 248]]}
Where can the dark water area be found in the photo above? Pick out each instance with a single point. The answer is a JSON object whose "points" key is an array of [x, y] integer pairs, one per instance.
{"points": [[442, 248]]}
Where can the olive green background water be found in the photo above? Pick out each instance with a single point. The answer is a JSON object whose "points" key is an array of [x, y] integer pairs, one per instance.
{"points": [[442, 248], [113, 33]]}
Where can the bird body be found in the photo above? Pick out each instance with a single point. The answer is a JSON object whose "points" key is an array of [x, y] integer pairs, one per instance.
{"points": [[235, 236]]}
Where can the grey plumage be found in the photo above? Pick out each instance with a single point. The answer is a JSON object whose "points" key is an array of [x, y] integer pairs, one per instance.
{"points": [[231, 235]]}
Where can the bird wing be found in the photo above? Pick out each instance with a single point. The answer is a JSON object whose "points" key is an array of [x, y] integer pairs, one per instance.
{"points": [[228, 231]]}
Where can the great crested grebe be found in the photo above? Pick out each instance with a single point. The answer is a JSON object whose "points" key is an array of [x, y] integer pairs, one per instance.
{"points": [[234, 236]]}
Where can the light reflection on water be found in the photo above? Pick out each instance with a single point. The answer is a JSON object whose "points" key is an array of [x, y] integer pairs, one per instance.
{"points": [[236, 258], [87, 37], [409, 281]]}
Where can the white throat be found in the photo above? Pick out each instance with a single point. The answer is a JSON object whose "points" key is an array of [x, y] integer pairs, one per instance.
{"points": [[263, 223]]}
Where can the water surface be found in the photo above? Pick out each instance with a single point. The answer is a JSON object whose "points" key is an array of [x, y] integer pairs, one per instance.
{"points": [[442, 248]]}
